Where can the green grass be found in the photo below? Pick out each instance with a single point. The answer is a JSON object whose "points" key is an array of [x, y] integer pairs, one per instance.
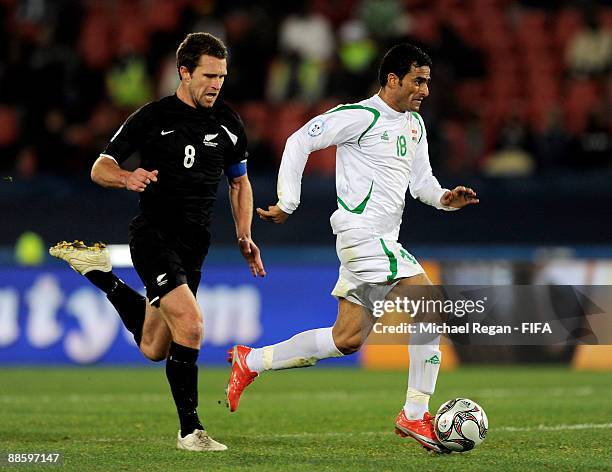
{"points": [[307, 420]]}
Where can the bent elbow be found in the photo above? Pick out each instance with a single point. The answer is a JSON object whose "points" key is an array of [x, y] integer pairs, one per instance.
{"points": [[93, 175], [97, 173], [293, 141]]}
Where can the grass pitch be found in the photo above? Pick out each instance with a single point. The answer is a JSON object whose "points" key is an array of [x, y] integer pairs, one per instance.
{"points": [[318, 419]]}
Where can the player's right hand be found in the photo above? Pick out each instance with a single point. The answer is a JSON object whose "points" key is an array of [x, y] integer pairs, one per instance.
{"points": [[251, 253], [138, 180], [274, 214]]}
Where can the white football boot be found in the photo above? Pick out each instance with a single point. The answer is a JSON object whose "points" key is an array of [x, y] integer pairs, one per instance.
{"points": [[199, 441], [82, 258]]}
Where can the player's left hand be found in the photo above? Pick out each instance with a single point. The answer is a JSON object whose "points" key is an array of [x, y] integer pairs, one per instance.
{"points": [[459, 197], [251, 253], [274, 214]]}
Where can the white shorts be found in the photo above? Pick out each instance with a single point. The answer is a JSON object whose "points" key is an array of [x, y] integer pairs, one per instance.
{"points": [[370, 266]]}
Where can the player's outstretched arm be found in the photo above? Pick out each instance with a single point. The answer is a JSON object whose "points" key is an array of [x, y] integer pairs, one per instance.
{"points": [[241, 201], [459, 197], [273, 214], [107, 173], [338, 126]]}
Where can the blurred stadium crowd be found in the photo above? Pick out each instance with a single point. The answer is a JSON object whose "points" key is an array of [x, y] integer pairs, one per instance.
{"points": [[519, 88]]}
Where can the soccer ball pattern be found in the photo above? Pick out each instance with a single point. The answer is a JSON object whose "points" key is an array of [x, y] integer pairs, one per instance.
{"points": [[461, 424]]}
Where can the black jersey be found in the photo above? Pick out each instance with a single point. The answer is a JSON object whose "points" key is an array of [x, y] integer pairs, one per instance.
{"points": [[190, 147]]}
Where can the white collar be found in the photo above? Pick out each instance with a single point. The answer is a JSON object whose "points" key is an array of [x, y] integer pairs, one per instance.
{"points": [[387, 109]]}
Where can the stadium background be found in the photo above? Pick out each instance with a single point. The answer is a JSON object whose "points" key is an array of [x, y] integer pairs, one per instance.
{"points": [[519, 110]]}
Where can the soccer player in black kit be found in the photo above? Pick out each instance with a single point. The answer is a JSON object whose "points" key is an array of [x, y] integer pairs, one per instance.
{"points": [[186, 142]]}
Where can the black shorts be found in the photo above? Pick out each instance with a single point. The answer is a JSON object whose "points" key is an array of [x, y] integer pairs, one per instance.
{"points": [[167, 258]]}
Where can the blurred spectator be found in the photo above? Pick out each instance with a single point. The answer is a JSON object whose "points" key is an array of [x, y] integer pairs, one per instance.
{"points": [[356, 57], [26, 164], [168, 78], [57, 64], [250, 44], [296, 28], [204, 15], [455, 62], [513, 156], [128, 82], [385, 19], [466, 61], [589, 51], [262, 158], [53, 153], [306, 44], [592, 149], [515, 134], [551, 142]]}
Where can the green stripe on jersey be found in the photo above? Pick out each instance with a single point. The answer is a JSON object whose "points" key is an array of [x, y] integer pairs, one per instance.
{"points": [[359, 208], [392, 261], [374, 111], [418, 118]]}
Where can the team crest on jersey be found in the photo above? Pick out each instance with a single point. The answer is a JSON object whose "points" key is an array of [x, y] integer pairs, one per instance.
{"points": [[208, 140], [316, 128]]}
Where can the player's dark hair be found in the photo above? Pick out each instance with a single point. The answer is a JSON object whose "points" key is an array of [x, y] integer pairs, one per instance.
{"points": [[399, 60], [196, 45]]}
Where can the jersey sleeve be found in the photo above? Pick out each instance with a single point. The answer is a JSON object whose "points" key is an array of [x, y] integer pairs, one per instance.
{"points": [[131, 135], [235, 160], [423, 185], [341, 125], [238, 137]]}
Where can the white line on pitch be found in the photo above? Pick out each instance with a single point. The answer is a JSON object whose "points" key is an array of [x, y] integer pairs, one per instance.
{"points": [[510, 429], [558, 427]]}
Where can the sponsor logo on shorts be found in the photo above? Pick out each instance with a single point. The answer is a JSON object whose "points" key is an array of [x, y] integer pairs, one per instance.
{"points": [[161, 281]]}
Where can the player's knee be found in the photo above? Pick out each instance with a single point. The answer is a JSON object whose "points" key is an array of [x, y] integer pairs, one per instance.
{"points": [[191, 334], [186, 327]]}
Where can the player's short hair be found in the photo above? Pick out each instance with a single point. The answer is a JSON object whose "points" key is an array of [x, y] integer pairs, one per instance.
{"points": [[400, 59], [196, 45]]}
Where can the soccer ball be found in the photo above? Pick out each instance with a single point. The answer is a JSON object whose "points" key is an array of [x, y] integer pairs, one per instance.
{"points": [[461, 424]]}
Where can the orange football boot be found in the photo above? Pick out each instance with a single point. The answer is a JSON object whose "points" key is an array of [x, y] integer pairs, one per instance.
{"points": [[240, 377], [421, 430]]}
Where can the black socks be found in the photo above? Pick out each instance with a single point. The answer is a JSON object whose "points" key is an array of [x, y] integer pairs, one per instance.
{"points": [[182, 374], [105, 281], [130, 305], [181, 367]]}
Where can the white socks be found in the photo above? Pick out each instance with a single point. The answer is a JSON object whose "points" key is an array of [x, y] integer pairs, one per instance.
{"points": [[305, 349], [425, 358], [302, 350]]}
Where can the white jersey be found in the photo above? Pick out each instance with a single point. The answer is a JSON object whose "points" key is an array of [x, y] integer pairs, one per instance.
{"points": [[381, 153]]}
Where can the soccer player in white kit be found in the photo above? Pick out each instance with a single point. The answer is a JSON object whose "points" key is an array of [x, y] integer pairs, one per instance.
{"points": [[381, 153]]}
